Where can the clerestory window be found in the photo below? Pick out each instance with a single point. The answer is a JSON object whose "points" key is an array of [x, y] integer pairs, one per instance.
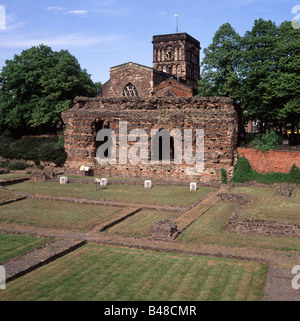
{"points": [[130, 91]]}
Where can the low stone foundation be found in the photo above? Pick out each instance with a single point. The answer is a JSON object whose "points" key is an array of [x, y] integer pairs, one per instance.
{"points": [[163, 229], [284, 190], [43, 177], [264, 227], [258, 226]]}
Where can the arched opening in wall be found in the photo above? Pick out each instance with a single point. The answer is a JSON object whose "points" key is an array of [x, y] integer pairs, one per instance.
{"points": [[162, 146], [130, 91], [99, 125], [169, 94]]}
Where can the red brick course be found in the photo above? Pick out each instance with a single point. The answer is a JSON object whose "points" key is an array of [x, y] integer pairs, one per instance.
{"points": [[270, 161]]}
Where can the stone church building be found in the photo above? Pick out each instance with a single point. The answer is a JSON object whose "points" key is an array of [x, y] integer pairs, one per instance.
{"points": [[157, 98], [174, 74]]}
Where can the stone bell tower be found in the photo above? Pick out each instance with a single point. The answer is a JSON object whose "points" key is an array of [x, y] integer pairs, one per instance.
{"points": [[179, 55]]}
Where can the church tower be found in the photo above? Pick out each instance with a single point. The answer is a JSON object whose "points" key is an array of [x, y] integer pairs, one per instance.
{"points": [[179, 55]]}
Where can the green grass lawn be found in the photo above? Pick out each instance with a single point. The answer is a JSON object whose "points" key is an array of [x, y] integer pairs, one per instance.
{"points": [[161, 195], [6, 195], [265, 206], [45, 213], [97, 273], [140, 223], [14, 175], [262, 191], [272, 208], [209, 228], [14, 245], [296, 193]]}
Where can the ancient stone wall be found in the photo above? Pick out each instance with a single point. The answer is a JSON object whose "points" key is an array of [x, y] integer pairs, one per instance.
{"points": [[216, 116]]}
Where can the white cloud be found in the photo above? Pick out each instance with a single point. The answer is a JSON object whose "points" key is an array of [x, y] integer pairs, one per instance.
{"points": [[63, 41], [55, 8], [79, 12]]}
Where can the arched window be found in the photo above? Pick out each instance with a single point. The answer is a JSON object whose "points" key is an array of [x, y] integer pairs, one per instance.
{"points": [[130, 91], [169, 94]]}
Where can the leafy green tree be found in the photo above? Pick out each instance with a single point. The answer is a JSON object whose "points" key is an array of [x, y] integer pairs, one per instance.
{"points": [[220, 65], [283, 90], [37, 85], [258, 64]]}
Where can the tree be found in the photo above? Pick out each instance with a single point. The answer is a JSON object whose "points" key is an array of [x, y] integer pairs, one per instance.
{"points": [[220, 74], [37, 85], [258, 64], [284, 89]]}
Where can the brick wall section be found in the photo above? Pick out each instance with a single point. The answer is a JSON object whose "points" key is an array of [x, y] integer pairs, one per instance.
{"points": [[270, 161], [176, 88], [216, 116]]}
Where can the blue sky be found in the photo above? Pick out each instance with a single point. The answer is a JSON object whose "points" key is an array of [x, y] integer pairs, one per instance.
{"points": [[106, 33]]}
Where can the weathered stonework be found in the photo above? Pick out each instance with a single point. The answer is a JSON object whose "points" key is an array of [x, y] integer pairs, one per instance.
{"points": [[215, 115], [246, 225], [163, 229], [284, 190], [43, 177], [178, 54]]}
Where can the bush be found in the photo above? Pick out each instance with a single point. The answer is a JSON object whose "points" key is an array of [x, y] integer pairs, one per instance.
{"points": [[265, 142], [18, 166], [50, 153], [295, 174], [243, 171], [36, 149], [14, 166], [224, 176]]}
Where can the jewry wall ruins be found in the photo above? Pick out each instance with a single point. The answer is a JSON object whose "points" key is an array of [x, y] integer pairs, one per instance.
{"points": [[215, 115]]}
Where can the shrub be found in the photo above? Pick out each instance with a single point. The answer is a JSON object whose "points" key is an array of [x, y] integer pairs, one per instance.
{"points": [[18, 166], [243, 171], [50, 152], [36, 149], [5, 164], [295, 174], [265, 142], [61, 141], [14, 166], [224, 176]]}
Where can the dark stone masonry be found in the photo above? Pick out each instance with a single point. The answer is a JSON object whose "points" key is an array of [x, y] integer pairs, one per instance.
{"points": [[215, 115]]}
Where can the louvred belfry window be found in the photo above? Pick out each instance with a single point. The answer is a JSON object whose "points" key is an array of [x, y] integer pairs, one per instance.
{"points": [[130, 91]]}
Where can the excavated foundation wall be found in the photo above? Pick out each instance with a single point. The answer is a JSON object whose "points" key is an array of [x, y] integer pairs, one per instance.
{"points": [[215, 115]]}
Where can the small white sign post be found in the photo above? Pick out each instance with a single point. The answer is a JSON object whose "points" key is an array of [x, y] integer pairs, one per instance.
{"points": [[63, 180], [104, 182], [193, 186], [2, 278], [148, 184]]}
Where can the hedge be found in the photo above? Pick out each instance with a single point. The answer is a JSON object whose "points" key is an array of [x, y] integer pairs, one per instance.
{"points": [[37, 149], [244, 173]]}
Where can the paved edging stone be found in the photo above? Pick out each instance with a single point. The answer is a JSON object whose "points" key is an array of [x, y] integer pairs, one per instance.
{"points": [[38, 257]]}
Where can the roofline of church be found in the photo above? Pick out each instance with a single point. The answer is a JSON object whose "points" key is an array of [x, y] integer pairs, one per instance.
{"points": [[132, 64], [176, 81], [175, 36]]}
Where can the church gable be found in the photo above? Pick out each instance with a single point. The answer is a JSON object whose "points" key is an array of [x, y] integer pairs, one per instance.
{"points": [[175, 56], [129, 80], [172, 88]]}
